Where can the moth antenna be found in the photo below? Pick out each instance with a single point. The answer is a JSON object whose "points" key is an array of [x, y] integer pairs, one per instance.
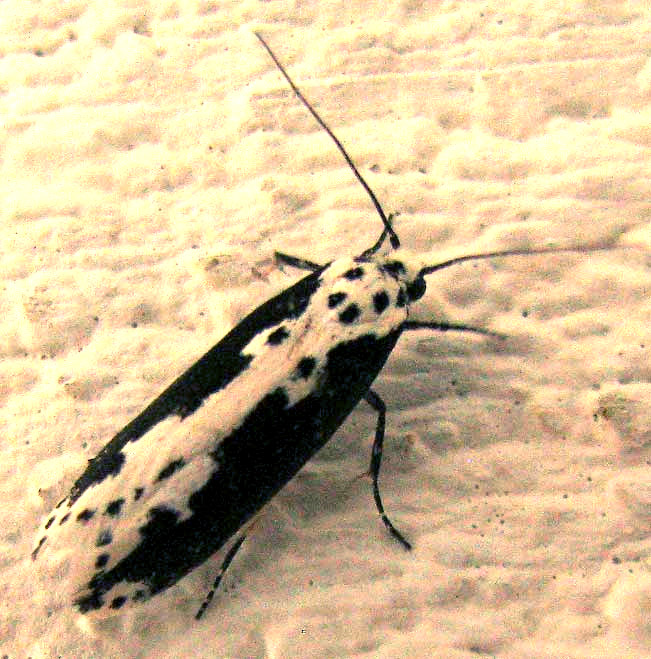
{"points": [[517, 252], [395, 241]]}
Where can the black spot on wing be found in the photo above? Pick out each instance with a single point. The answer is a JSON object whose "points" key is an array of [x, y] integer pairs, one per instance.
{"points": [[335, 299], [350, 314], [41, 542], [161, 523], [212, 372], [137, 493], [173, 466], [107, 463], [101, 561], [49, 523], [277, 336], [354, 273], [305, 368], [113, 509], [118, 602], [86, 515], [104, 538], [251, 465], [90, 602], [64, 519], [140, 595], [380, 301], [401, 299]]}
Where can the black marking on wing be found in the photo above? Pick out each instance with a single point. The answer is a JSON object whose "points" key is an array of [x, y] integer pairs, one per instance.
{"points": [[380, 301], [277, 336], [113, 509], [305, 368], [172, 467], [255, 461], [38, 547], [214, 371], [104, 538], [137, 493], [102, 560], [161, 521], [85, 515]]}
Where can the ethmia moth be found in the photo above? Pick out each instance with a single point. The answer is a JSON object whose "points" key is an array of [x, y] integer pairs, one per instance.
{"points": [[189, 473]]}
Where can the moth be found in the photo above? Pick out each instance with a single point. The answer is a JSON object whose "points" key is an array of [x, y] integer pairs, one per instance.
{"points": [[187, 476]]}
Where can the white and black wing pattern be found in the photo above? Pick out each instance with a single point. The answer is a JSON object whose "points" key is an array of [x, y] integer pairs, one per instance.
{"points": [[177, 482]]}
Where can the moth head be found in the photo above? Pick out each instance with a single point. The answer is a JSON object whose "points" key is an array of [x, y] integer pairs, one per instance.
{"points": [[410, 269], [406, 268]]}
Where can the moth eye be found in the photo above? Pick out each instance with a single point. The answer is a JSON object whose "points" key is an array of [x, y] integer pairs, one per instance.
{"points": [[380, 301], [416, 289], [354, 273], [350, 314]]}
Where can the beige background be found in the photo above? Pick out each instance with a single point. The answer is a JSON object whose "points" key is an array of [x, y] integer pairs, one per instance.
{"points": [[151, 161]]}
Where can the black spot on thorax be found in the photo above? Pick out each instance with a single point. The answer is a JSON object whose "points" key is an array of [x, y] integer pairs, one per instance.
{"points": [[393, 268], [350, 314], [354, 273], [335, 299]]}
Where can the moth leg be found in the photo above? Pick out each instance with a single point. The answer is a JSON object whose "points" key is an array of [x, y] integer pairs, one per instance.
{"points": [[444, 327], [296, 261], [376, 459], [222, 570]]}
